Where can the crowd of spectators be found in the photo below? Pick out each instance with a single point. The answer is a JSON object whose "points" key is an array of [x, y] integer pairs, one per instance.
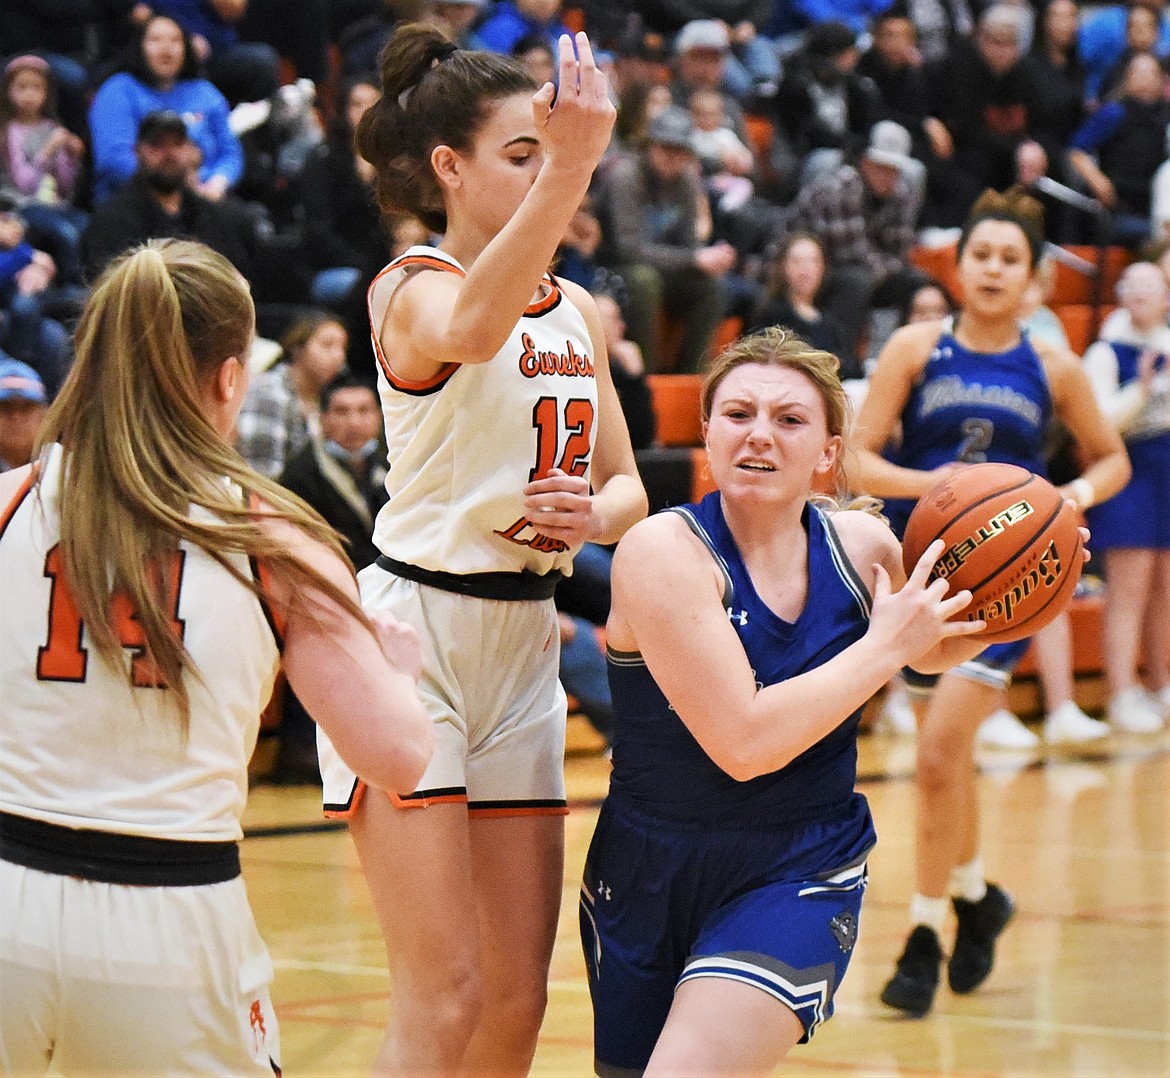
{"points": [[865, 124]]}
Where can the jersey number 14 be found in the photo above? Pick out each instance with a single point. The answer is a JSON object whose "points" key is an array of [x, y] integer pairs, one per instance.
{"points": [[63, 656]]}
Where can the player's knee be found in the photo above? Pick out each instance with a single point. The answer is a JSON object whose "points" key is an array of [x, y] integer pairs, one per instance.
{"points": [[449, 1001], [520, 1011], [937, 770]]}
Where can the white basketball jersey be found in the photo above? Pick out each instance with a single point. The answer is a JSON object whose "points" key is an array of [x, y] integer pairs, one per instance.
{"points": [[87, 744], [463, 444]]}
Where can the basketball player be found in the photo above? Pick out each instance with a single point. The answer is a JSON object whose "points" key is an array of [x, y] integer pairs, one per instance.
{"points": [[127, 945], [965, 391], [508, 450], [723, 885]]}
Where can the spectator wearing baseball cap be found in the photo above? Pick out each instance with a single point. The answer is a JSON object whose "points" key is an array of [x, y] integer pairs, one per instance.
{"points": [[160, 201], [747, 62], [865, 215], [23, 402], [647, 202]]}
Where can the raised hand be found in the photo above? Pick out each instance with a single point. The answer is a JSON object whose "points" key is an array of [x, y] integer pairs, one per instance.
{"points": [[575, 119]]}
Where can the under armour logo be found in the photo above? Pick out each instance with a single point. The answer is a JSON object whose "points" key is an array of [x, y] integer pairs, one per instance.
{"points": [[740, 616]]}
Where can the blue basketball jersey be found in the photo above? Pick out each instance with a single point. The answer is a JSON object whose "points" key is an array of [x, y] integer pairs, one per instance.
{"points": [[660, 768], [973, 407]]}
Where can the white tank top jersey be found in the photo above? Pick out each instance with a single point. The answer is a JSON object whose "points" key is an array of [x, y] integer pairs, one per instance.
{"points": [[84, 744], [463, 445]]}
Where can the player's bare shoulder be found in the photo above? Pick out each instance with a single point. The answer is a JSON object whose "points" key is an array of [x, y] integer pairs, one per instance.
{"points": [[663, 547], [911, 345], [867, 539], [1060, 364]]}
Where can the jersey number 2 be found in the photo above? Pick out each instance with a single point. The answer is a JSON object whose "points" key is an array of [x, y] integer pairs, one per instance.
{"points": [[578, 423], [63, 658]]}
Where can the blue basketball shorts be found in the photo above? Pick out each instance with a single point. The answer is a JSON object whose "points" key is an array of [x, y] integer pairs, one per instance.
{"points": [[994, 666], [662, 903]]}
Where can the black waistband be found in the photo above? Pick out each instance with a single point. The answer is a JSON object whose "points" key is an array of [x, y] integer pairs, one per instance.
{"points": [[108, 857], [511, 587]]}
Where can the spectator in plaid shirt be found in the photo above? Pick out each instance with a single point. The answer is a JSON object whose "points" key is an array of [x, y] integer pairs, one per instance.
{"points": [[282, 408], [864, 215]]}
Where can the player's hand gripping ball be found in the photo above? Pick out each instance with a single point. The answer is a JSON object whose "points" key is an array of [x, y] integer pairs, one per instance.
{"points": [[1011, 538]]}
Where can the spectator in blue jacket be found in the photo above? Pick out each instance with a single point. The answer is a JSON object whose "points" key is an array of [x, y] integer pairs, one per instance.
{"points": [[1102, 40], [515, 19], [1117, 150], [162, 75]]}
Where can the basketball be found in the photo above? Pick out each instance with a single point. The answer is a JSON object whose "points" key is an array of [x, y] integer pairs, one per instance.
{"points": [[1011, 538]]}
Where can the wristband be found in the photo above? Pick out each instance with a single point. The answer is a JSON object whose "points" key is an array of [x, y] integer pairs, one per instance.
{"points": [[1082, 492]]}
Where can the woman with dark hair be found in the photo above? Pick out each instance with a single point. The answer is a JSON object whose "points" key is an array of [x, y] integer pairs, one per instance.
{"points": [[283, 404], [153, 586], [508, 451], [162, 72], [797, 275], [344, 238], [965, 391]]}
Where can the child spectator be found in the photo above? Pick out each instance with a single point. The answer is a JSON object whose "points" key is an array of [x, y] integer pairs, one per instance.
{"points": [[26, 331], [39, 163], [725, 161]]}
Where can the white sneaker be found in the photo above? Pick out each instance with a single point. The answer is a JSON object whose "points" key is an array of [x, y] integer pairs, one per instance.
{"points": [[897, 715], [1069, 723], [1003, 730], [1132, 712]]}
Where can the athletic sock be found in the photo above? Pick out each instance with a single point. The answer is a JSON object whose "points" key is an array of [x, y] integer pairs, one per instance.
{"points": [[931, 912], [968, 881]]}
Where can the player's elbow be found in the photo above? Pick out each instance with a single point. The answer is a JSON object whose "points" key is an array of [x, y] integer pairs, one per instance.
{"points": [[743, 762]]}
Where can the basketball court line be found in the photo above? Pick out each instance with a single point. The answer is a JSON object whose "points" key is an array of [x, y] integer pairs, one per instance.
{"points": [[1005, 762]]}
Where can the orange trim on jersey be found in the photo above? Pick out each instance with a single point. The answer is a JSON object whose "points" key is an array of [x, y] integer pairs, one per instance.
{"points": [[21, 493], [547, 303], [426, 385], [496, 813]]}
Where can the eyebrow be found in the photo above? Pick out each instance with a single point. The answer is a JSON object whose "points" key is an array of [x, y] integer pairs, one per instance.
{"points": [[526, 140]]}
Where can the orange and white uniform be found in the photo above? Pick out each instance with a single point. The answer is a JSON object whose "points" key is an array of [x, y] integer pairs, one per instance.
{"points": [[126, 940], [462, 563]]}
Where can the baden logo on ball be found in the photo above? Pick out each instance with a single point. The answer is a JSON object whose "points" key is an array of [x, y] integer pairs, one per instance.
{"points": [[1011, 538]]}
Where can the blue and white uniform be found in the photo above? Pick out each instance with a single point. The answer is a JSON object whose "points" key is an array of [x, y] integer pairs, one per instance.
{"points": [[1138, 516], [974, 407], [692, 873], [462, 563]]}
